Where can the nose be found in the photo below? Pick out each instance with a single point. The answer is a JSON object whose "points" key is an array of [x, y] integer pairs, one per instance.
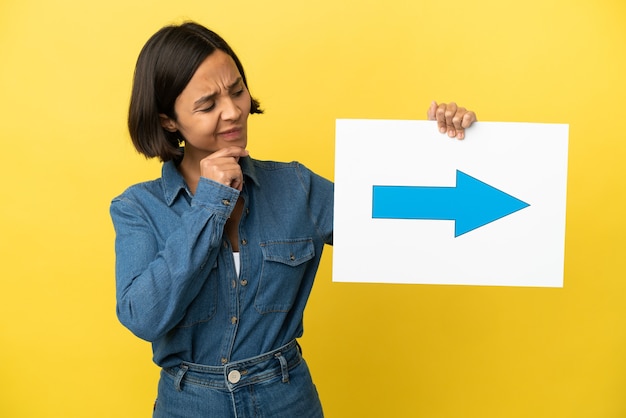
{"points": [[230, 110]]}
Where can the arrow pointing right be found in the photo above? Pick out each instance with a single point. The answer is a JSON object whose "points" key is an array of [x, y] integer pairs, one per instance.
{"points": [[470, 204]]}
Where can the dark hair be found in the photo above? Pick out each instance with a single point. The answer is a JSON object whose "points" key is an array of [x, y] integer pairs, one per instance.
{"points": [[164, 67]]}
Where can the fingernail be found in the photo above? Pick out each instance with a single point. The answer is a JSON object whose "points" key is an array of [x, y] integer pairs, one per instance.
{"points": [[442, 130], [451, 133]]}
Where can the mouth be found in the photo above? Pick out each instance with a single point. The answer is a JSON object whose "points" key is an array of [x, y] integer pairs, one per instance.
{"points": [[231, 134]]}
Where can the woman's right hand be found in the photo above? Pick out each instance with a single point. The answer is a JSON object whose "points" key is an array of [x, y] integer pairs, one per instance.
{"points": [[223, 167]]}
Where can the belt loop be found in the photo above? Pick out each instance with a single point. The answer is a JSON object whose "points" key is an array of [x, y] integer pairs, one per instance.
{"points": [[179, 377], [283, 366]]}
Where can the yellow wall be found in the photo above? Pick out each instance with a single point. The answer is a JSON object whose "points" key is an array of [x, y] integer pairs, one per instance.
{"points": [[375, 350]]}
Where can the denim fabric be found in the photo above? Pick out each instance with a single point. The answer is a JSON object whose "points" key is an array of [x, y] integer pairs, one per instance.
{"points": [[176, 280], [274, 385]]}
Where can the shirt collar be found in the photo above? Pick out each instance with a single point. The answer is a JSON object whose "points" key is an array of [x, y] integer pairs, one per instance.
{"points": [[173, 181], [249, 169]]}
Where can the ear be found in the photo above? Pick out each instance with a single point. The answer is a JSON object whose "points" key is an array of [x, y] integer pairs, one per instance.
{"points": [[167, 123]]}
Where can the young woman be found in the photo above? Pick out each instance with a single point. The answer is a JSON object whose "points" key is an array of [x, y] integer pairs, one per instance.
{"points": [[215, 260]]}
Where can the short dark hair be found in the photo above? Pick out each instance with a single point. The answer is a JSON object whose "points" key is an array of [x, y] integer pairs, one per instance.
{"points": [[164, 67]]}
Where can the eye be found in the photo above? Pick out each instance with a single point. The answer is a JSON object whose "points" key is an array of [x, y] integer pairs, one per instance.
{"points": [[238, 93], [207, 109]]}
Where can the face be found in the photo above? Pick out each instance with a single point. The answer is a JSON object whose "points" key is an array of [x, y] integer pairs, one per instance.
{"points": [[212, 111]]}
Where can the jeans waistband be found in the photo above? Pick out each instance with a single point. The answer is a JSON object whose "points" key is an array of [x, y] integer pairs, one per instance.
{"points": [[239, 373]]}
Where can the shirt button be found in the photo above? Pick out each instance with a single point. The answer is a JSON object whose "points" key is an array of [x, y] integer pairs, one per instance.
{"points": [[244, 282], [247, 211], [292, 257], [234, 376], [225, 244], [226, 202], [244, 242], [233, 320], [224, 360], [233, 284]]}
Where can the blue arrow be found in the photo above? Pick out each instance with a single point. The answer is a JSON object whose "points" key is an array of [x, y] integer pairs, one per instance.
{"points": [[471, 204]]}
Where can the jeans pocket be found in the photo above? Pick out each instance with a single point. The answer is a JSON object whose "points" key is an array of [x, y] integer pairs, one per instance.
{"points": [[284, 264]]}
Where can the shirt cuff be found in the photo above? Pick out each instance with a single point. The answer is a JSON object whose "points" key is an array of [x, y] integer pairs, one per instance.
{"points": [[215, 196]]}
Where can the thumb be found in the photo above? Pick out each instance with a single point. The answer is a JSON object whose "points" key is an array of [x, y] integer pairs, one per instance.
{"points": [[432, 111]]}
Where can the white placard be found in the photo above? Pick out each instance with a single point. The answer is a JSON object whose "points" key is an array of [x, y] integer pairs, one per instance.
{"points": [[432, 230]]}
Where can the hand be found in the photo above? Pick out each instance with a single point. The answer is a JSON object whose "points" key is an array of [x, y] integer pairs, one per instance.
{"points": [[451, 118], [223, 166]]}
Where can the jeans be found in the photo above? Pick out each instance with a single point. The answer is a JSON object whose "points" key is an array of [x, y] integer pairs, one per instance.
{"points": [[273, 385]]}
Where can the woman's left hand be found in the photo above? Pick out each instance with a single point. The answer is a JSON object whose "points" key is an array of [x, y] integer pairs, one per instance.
{"points": [[451, 118]]}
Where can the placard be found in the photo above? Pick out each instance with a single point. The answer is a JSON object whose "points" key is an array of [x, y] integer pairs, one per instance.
{"points": [[414, 206]]}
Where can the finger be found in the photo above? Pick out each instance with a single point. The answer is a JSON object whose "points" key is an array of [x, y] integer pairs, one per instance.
{"points": [[465, 121], [229, 152], [225, 169], [457, 122], [468, 119], [214, 167], [237, 183], [450, 112], [227, 175], [440, 116], [233, 179], [431, 114], [457, 118]]}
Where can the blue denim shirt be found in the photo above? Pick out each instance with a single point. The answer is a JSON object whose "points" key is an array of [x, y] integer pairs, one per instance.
{"points": [[176, 284]]}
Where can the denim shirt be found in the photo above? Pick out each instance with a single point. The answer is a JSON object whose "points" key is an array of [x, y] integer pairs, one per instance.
{"points": [[176, 284]]}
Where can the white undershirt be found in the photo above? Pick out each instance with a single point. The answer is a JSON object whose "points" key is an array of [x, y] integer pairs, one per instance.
{"points": [[237, 262]]}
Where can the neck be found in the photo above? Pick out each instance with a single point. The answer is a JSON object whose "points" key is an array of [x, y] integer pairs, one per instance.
{"points": [[189, 167]]}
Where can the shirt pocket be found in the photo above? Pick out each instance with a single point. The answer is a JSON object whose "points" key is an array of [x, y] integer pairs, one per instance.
{"points": [[284, 265], [204, 306]]}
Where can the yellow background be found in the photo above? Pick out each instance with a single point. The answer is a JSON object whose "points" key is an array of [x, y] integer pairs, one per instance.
{"points": [[375, 350]]}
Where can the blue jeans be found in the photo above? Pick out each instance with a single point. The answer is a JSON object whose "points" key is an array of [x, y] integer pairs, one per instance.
{"points": [[273, 385]]}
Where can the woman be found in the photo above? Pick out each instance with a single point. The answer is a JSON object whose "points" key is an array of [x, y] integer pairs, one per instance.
{"points": [[215, 260]]}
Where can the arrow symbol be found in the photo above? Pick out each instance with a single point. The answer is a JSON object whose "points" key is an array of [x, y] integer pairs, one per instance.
{"points": [[470, 204]]}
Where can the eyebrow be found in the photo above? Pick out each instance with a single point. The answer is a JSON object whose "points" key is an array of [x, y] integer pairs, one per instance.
{"points": [[202, 100]]}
